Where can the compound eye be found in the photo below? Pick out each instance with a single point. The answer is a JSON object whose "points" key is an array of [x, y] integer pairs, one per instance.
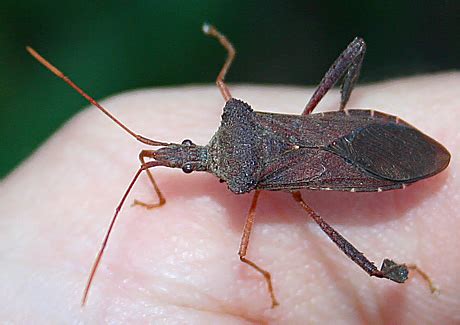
{"points": [[187, 142], [187, 168]]}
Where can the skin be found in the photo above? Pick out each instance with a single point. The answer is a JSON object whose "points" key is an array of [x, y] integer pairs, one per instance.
{"points": [[178, 264]]}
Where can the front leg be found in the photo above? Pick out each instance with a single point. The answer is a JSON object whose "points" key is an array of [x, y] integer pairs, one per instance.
{"points": [[347, 65], [161, 199]]}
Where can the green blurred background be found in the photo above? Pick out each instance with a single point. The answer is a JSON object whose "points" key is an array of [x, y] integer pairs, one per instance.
{"points": [[110, 46]]}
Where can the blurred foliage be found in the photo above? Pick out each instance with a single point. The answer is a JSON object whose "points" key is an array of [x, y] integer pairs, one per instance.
{"points": [[110, 46]]}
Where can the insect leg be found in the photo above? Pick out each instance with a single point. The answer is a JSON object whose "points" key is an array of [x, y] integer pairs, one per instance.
{"points": [[161, 199], [347, 65], [244, 247], [59, 74], [212, 31], [97, 261], [389, 270], [424, 275]]}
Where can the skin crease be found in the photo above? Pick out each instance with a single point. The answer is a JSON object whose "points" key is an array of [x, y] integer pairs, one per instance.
{"points": [[178, 264]]}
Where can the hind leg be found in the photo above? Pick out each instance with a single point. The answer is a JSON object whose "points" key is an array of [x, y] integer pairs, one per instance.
{"points": [[348, 66]]}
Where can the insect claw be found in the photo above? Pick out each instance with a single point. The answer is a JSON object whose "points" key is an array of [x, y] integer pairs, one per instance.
{"points": [[147, 206], [433, 288], [206, 28]]}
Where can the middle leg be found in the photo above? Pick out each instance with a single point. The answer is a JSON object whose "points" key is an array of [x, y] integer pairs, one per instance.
{"points": [[212, 31], [244, 248]]}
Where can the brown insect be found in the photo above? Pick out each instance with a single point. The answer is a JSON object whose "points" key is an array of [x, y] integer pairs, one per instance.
{"points": [[346, 150]]}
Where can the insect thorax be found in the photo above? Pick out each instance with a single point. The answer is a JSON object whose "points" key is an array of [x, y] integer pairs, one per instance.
{"points": [[233, 153]]}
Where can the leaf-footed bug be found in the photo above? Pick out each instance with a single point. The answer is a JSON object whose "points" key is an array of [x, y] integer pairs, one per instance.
{"points": [[344, 150]]}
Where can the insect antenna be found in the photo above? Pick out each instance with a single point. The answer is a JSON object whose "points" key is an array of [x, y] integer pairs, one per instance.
{"points": [[97, 261], [59, 74]]}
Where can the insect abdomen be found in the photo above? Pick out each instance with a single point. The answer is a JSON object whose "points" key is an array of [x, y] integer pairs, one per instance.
{"points": [[391, 151]]}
